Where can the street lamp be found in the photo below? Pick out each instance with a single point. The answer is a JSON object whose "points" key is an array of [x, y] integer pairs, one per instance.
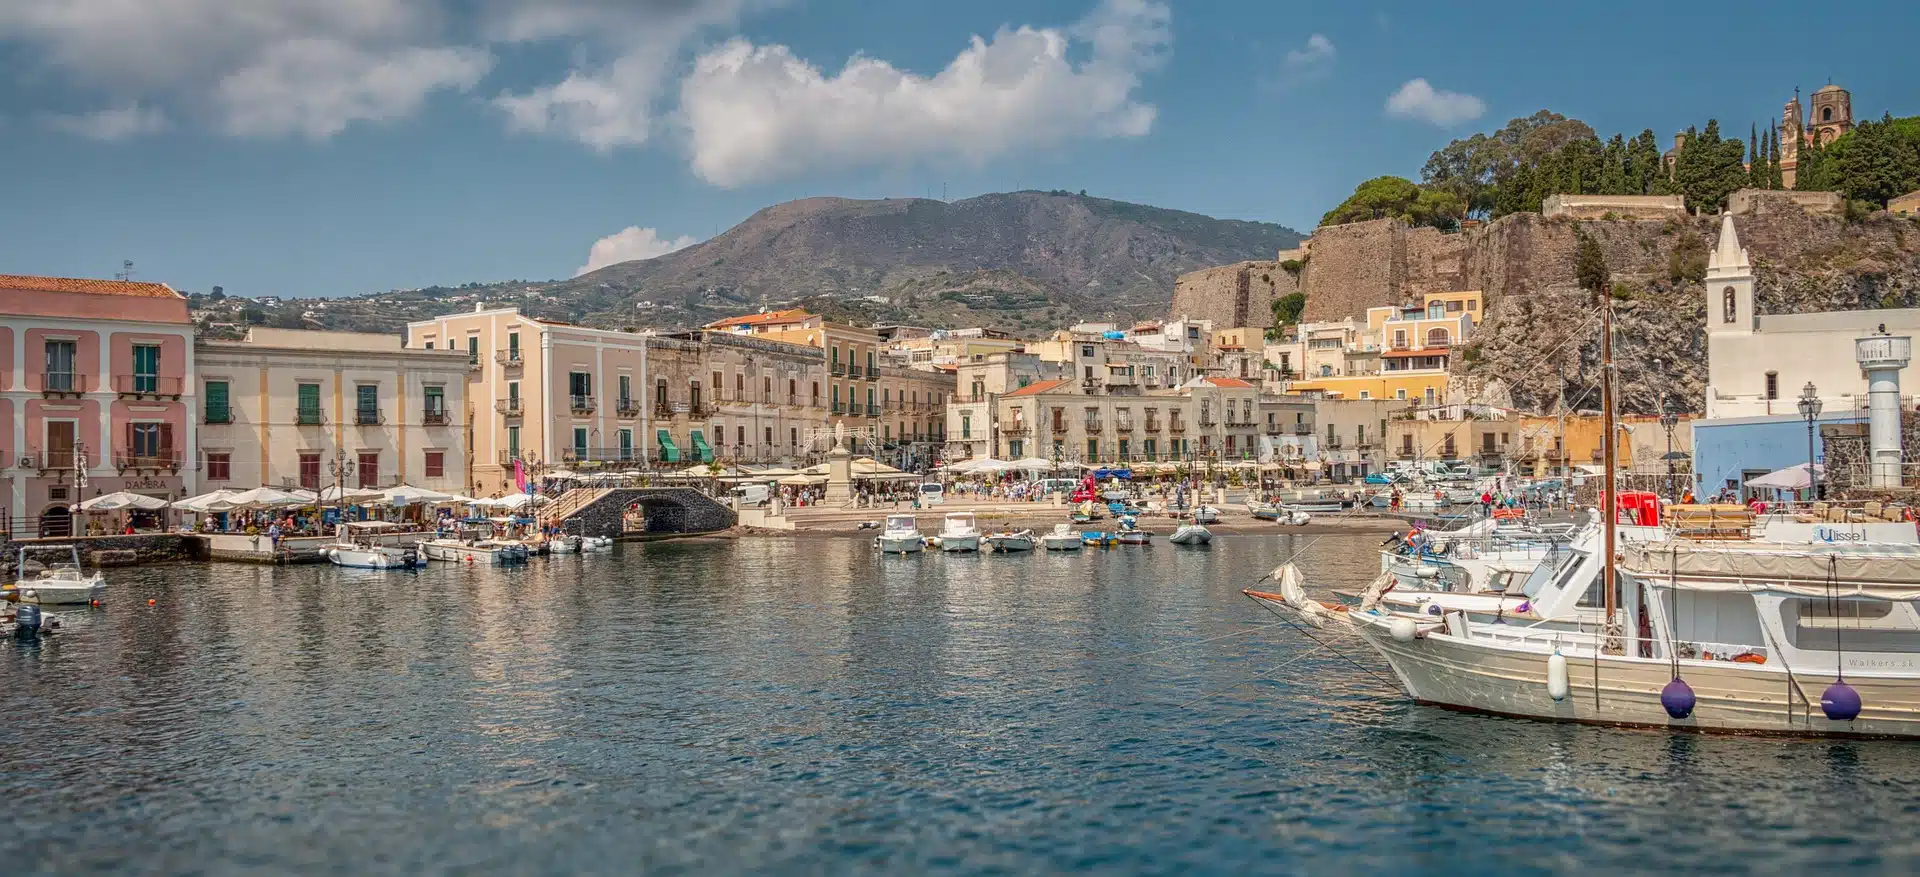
{"points": [[1809, 409]]}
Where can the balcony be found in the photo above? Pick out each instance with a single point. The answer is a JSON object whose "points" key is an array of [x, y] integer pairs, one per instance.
{"points": [[1406, 452], [599, 455], [1176, 426], [309, 417], [50, 461], [509, 406], [581, 404], [366, 417], [217, 415], [873, 411], [1207, 420], [473, 363], [1015, 429], [509, 358], [147, 386], [837, 370], [507, 457], [1303, 429], [627, 408], [1557, 454], [1093, 427], [1152, 425], [164, 458], [700, 410], [1123, 426], [838, 408], [56, 384], [435, 418]]}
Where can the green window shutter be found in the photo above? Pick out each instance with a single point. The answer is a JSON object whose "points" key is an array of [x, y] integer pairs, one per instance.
{"points": [[216, 404]]}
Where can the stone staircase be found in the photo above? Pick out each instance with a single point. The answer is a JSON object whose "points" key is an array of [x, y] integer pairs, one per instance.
{"points": [[572, 502]]}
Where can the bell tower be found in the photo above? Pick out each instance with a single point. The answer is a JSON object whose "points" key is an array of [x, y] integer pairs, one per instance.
{"points": [[1729, 285], [1832, 113], [1792, 129]]}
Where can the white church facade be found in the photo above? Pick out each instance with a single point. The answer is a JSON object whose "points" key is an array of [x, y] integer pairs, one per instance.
{"points": [[1758, 366]]}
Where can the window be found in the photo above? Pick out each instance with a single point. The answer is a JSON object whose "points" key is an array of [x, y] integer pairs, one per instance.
{"points": [[1360, 434], [1400, 395], [429, 345], [1727, 305], [739, 436], [1399, 339], [149, 441], [219, 466], [767, 439], [766, 389], [473, 348], [1436, 337], [513, 442], [513, 393], [1093, 450], [1453, 307], [626, 390], [1086, 351], [693, 395], [1826, 115], [310, 470], [579, 442], [146, 368], [1773, 387], [1406, 443], [626, 444], [60, 358], [435, 404], [580, 387], [216, 409], [1366, 394], [793, 437], [966, 426], [513, 346], [369, 469], [436, 464], [816, 395], [366, 409]]}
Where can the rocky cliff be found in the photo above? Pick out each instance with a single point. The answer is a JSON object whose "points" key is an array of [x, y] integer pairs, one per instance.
{"points": [[1539, 336]]}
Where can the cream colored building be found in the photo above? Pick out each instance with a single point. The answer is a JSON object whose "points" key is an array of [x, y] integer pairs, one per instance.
{"points": [[739, 398], [1206, 418], [544, 393], [1411, 345], [288, 408], [980, 382]]}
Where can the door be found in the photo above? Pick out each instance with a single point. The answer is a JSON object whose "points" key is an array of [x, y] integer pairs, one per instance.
{"points": [[62, 437], [146, 368]]}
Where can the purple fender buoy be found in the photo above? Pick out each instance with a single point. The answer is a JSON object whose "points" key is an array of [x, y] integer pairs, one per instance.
{"points": [[1840, 702], [1677, 698]]}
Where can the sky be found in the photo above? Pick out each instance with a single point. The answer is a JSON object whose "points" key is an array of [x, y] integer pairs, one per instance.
{"points": [[338, 147]]}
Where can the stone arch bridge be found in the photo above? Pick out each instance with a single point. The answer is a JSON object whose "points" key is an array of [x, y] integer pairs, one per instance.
{"points": [[666, 511]]}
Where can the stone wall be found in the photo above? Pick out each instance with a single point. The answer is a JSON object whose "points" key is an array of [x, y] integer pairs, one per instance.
{"points": [[1232, 296], [111, 550], [1614, 206], [1846, 453], [668, 510], [1383, 262], [1747, 202]]}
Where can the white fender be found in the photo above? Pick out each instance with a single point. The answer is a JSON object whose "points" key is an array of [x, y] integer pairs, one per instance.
{"points": [[1402, 629], [1557, 685]]}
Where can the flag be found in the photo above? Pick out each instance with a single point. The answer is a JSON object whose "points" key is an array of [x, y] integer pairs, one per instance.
{"points": [[520, 475]]}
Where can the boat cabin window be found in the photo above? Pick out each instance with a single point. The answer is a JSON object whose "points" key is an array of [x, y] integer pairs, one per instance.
{"points": [[1817, 624], [1551, 569]]}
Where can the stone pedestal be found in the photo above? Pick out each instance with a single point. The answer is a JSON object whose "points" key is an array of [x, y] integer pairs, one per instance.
{"points": [[839, 477]]}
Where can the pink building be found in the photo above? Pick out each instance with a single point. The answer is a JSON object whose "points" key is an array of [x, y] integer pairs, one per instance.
{"points": [[94, 394]]}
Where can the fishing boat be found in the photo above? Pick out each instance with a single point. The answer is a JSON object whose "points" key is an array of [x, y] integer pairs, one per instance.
{"points": [[1206, 514], [1279, 513], [453, 550], [900, 536], [1063, 538], [959, 532], [1022, 540], [1191, 534], [1130, 532], [60, 584], [1099, 539], [353, 546]]}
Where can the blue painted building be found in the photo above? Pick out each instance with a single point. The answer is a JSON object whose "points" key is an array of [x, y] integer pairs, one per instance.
{"points": [[1729, 450]]}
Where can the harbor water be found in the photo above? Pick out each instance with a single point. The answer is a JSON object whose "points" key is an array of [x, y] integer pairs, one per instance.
{"points": [[807, 706]]}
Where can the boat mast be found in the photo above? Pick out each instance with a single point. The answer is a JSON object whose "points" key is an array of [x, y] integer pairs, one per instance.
{"points": [[1608, 505]]}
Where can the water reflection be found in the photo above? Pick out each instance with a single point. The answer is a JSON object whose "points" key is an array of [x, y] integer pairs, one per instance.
{"points": [[810, 706]]}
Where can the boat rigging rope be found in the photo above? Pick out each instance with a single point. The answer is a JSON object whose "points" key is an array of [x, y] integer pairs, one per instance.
{"points": [[1256, 678], [1324, 644]]}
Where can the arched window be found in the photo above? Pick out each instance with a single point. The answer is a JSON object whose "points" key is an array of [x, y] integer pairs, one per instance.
{"points": [[1826, 114], [1773, 385], [1326, 371], [1727, 303], [1436, 337]]}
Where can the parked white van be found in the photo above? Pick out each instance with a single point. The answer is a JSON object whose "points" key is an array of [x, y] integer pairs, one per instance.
{"points": [[932, 493]]}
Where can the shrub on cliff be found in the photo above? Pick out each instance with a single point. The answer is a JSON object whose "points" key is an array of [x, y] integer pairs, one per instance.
{"points": [[1398, 198]]}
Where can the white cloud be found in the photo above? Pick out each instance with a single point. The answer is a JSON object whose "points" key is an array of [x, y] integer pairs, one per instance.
{"points": [[1311, 62], [610, 104], [316, 87], [629, 244], [760, 112], [1419, 100], [117, 123]]}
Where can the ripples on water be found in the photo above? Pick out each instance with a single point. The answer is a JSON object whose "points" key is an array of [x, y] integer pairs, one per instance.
{"points": [[793, 706]]}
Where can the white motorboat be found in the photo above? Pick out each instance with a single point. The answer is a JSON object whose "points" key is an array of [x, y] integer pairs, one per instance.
{"points": [[960, 532], [473, 551], [564, 544], [1191, 534], [61, 584], [596, 543], [1018, 541], [900, 536], [1131, 534], [1206, 514], [1063, 538], [354, 547]]}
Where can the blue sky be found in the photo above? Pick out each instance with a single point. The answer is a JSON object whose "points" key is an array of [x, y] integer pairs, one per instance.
{"points": [[331, 147]]}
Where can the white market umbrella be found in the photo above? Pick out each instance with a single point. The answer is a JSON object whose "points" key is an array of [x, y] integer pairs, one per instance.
{"points": [[1791, 478], [355, 495], [217, 501], [409, 495], [1031, 464], [983, 464], [118, 500], [798, 480], [268, 498], [516, 500]]}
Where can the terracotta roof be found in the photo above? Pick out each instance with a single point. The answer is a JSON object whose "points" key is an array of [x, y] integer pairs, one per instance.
{"points": [[1234, 383], [786, 316], [1430, 350], [86, 286], [1038, 387]]}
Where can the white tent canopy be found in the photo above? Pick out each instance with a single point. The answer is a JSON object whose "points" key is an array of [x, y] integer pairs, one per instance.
{"points": [[207, 502], [513, 501], [123, 500], [1791, 478], [981, 465], [1031, 464], [267, 498], [335, 493], [409, 495]]}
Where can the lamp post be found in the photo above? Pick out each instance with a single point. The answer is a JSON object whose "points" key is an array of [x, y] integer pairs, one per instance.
{"points": [[341, 468], [1809, 409]]}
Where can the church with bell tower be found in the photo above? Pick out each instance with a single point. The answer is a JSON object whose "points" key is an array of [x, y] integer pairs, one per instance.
{"points": [[1831, 116]]}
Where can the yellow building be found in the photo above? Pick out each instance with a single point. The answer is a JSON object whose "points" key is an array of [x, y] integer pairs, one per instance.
{"points": [[1414, 345], [1426, 387], [1548, 444]]}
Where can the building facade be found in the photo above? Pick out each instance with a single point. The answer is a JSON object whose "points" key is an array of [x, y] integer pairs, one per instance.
{"points": [[980, 382], [735, 397], [1207, 418], [296, 409], [1402, 353], [95, 392]]}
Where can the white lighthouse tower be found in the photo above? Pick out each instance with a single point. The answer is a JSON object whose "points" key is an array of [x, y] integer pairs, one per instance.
{"points": [[1882, 356]]}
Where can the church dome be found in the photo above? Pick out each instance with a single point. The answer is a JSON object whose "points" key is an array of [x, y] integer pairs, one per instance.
{"points": [[1828, 89]]}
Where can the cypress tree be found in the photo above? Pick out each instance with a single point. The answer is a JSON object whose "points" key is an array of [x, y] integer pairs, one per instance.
{"points": [[1778, 180]]}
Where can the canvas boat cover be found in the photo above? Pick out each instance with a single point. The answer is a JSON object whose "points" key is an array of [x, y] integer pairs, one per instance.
{"points": [[1881, 571]]}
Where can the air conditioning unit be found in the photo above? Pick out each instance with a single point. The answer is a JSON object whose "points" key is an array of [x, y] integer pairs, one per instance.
{"points": [[26, 462]]}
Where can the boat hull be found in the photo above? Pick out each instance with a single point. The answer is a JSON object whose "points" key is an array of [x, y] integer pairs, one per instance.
{"points": [[1011, 543], [960, 543], [1446, 671], [362, 558], [1193, 535], [452, 552], [1136, 537], [901, 544], [1061, 543], [45, 593]]}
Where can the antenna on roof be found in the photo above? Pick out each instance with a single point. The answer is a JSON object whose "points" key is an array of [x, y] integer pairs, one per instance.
{"points": [[126, 270]]}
